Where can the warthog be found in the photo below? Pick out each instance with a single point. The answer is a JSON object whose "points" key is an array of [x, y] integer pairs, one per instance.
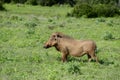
{"points": [[69, 46]]}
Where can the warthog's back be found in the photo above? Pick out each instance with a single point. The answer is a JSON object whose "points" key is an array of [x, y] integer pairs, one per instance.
{"points": [[88, 45]]}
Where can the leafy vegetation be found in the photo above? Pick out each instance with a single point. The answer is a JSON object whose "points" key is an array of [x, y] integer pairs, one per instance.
{"points": [[108, 36], [99, 10], [69, 2], [24, 30], [1, 6]]}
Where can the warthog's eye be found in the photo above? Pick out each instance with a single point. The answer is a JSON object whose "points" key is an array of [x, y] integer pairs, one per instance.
{"points": [[53, 36]]}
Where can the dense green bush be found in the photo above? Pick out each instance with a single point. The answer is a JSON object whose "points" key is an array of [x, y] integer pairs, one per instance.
{"points": [[1, 6], [15, 1], [6, 1], [99, 10], [43, 2], [82, 9], [98, 1], [70, 2], [54, 2], [47, 2], [32, 2], [105, 10]]}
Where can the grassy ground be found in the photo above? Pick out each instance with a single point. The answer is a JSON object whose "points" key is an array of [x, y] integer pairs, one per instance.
{"points": [[25, 29]]}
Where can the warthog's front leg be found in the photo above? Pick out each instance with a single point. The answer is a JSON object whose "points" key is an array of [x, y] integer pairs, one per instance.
{"points": [[64, 57]]}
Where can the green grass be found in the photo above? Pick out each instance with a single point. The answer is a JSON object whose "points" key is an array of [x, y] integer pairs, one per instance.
{"points": [[24, 30], [38, 10]]}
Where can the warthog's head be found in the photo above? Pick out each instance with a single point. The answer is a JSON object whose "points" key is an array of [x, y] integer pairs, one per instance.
{"points": [[53, 41]]}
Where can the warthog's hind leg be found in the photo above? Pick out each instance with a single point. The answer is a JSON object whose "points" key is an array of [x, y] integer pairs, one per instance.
{"points": [[89, 58], [92, 56]]}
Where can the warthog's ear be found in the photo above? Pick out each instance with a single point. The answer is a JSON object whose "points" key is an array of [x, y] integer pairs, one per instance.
{"points": [[57, 35]]}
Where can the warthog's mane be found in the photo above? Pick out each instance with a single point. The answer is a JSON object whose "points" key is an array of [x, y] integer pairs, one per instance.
{"points": [[63, 35]]}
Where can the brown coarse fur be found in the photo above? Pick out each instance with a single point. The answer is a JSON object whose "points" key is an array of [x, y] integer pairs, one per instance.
{"points": [[69, 46]]}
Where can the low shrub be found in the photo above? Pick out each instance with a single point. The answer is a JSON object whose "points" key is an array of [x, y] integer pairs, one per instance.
{"points": [[101, 20], [74, 69], [14, 17], [30, 24], [107, 36]]}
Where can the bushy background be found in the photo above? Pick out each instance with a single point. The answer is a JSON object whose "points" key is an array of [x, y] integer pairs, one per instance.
{"points": [[1, 6], [97, 10], [70, 2], [86, 8]]}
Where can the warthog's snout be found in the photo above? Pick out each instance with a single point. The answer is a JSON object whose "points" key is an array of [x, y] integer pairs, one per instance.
{"points": [[46, 46]]}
